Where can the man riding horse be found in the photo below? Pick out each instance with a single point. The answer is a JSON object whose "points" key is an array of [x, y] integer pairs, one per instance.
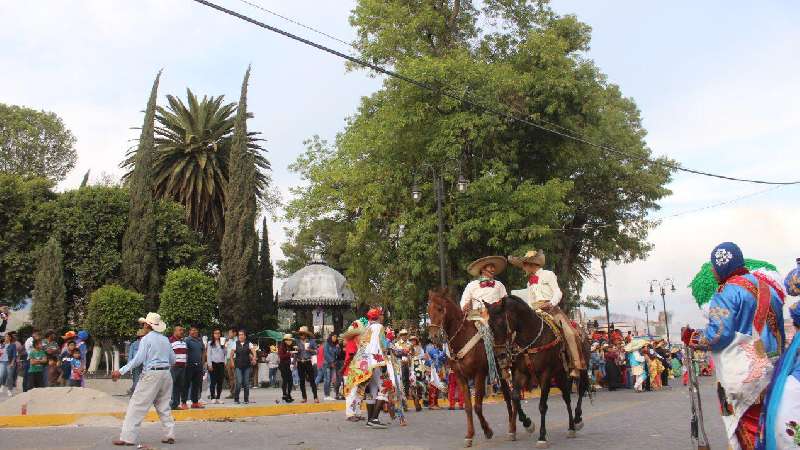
{"points": [[543, 294]]}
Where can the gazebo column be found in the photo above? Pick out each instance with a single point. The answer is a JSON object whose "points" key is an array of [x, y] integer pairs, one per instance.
{"points": [[338, 319]]}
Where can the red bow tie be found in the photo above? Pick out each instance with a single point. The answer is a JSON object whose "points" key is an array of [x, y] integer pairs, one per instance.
{"points": [[533, 279], [487, 283]]}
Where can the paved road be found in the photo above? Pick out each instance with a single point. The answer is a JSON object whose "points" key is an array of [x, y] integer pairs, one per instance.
{"points": [[621, 420]]}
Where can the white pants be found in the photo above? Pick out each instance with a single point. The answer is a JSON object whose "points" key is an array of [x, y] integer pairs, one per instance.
{"points": [[153, 389], [353, 403], [639, 383]]}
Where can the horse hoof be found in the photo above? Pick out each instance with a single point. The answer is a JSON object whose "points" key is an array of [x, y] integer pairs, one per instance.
{"points": [[579, 425], [488, 434], [512, 436], [467, 443], [542, 444], [531, 428], [571, 434]]}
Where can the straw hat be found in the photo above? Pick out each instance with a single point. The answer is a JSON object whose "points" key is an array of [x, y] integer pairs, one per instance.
{"points": [[413, 338], [288, 337], [155, 322], [304, 330], [499, 262], [402, 332], [635, 344], [531, 256]]}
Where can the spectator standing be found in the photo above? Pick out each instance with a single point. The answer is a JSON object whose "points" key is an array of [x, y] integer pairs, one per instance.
{"points": [[66, 361], [330, 354], [178, 370], [318, 362], [285, 350], [306, 348], [244, 357], [37, 362], [195, 364], [272, 365], [136, 371], [8, 361], [50, 347], [230, 374], [26, 364], [17, 368], [215, 360], [339, 368], [77, 369]]}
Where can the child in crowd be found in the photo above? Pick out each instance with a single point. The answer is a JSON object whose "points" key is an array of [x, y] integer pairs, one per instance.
{"points": [[38, 361], [66, 362], [54, 372], [77, 369]]}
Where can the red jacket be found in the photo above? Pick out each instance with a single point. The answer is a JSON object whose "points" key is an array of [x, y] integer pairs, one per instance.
{"points": [[350, 349]]}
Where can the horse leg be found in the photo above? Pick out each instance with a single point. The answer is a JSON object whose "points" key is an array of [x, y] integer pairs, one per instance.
{"points": [[468, 410], [583, 386], [566, 393], [512, 412], [544, 380], [480, 391]]}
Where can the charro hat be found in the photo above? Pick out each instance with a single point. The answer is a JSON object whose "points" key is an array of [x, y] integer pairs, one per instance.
{"points": [[531, 256], [499, 262], [154, 320], [288, 337]]}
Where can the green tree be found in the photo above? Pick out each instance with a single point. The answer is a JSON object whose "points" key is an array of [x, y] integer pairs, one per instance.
{"points": [[25, 218], [35, 143], [139, 252], [49, 310], [529, 188], [189, 297], [193, 143], [238, 296], [92, 221], [264, 280], [113, 313]]}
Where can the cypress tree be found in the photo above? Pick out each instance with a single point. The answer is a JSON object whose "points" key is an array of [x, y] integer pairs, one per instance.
{"points": [[238, 294], [265, 274], [49, 310], [139, 252]]}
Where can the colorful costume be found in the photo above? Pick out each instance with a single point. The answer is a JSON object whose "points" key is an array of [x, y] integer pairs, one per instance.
{"points": [[745, 335], [367, 372], [779, 427]]}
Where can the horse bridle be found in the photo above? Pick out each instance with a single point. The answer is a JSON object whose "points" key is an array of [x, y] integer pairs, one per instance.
{"points": [[443, 332]]}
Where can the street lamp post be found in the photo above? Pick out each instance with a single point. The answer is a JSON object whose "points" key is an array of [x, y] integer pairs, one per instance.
{"points": [[662, 285], [438, 189], [647, 305]]}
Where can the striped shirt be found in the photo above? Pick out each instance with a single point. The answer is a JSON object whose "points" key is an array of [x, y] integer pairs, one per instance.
{"points": [[179, 348]]}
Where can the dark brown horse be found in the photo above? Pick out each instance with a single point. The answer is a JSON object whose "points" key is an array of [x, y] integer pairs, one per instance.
{"points": [[535, 354], [449, 324]]}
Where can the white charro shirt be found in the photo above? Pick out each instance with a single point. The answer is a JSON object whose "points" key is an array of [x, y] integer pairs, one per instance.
{"points": [[546, 289], [475, 295]]}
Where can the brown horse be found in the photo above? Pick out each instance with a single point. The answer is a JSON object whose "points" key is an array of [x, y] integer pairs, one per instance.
{"points": [[449, 324], [535, 353]]}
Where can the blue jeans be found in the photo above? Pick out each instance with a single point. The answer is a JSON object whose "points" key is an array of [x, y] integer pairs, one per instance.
{"points": [[327, 376], [5, 373], [242, 381], [25, 377], [273, 376]]}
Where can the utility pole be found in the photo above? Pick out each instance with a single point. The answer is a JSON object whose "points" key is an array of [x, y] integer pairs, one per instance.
{"points": [[662, 285], [605, 293]]}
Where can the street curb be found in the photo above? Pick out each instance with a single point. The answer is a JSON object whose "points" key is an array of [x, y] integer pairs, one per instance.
{"points": [[223, 413]]}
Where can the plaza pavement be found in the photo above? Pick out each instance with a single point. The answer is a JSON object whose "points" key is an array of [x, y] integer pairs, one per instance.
{"points": [[619, 420]]}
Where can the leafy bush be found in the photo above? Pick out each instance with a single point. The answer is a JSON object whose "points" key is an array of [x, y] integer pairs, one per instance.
{"points": [[113, 312], [189, 297]]}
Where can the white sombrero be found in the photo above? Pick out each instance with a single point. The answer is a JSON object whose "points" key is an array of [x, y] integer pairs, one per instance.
{"points": [[155, 322], [499, 262]]}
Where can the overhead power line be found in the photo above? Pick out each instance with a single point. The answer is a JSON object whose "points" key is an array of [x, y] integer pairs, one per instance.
{"points": [[568, 134]]}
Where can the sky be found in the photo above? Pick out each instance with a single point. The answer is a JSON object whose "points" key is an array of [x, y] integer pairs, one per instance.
{"points": [[715, 82]]}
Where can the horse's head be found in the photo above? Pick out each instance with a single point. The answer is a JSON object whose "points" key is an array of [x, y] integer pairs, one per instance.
{"points": [[498, 318], [438, 303]]}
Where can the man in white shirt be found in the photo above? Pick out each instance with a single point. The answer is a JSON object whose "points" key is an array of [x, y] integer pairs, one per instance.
{"points": [[544, 294], [485, 289]]}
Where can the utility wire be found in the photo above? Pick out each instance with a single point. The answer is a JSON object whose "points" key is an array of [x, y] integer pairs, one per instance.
{"points": [[421, 84], [290, 20]]}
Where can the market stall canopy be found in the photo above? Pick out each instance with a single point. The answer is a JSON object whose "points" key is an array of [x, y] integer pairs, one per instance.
{"points": [[316, 285], [270, 334]]}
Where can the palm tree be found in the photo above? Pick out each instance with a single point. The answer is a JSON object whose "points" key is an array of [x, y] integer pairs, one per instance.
{"points": [[191, 164]]}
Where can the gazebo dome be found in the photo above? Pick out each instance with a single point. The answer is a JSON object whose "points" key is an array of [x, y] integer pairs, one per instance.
{"points": [[316, 284]]}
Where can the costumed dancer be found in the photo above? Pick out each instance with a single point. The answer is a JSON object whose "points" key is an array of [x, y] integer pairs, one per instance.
{"points": [[367, 370], [395, 404], [401, 348], [435, 361], [477, 293], [544, 294], [352, 396], [417, 373], [745, 335], [780, 420]]}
